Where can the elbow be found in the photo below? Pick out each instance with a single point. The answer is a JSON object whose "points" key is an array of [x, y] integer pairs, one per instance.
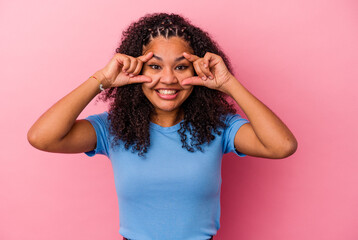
{"points": [[291, 149], [285, 150], [36, 141]]}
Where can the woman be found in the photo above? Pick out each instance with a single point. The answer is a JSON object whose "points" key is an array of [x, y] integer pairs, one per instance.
{"points": [[167, 127]]}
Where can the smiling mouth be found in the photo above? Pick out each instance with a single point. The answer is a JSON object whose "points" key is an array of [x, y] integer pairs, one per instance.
{"points": [[167, 91]]}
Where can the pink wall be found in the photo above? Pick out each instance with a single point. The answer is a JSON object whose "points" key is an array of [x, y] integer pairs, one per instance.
{"points": [[298, 57]]}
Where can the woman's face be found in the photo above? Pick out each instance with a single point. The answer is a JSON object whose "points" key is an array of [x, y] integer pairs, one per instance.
{"points": [[167, 68]]}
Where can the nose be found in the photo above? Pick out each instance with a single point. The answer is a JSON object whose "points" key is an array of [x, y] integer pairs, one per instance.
{"points": [[168, 76]]}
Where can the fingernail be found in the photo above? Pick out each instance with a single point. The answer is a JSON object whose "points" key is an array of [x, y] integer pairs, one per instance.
{"points": [[211, 77], [131, 75], [203, 77]]}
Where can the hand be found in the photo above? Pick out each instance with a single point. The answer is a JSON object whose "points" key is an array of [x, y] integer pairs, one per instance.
{"points": [[211, 65], [123, 69]]}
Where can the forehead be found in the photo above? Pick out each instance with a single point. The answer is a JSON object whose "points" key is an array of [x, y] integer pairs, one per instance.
{"points": [[172, 45]]}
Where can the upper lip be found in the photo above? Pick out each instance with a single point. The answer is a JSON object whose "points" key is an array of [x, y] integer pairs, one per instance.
{"points": [[168, 89]]}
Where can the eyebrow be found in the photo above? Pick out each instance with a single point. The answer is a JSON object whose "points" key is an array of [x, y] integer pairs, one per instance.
{"points": [[176, 60]]}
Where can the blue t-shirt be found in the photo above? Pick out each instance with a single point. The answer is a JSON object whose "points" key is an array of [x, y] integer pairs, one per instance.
{"points": [[171, 193]]}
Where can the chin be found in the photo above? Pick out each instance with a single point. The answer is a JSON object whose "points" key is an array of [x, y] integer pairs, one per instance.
{"points": [[166, 108]]}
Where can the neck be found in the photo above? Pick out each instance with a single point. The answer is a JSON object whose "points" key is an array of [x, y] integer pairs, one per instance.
{"points": [[167, 119]]}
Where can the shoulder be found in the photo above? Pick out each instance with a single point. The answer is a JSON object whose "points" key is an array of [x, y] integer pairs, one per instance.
{"points": [[100, 122], [236, 118], [233, 123], [103, 115], [99, 117]]}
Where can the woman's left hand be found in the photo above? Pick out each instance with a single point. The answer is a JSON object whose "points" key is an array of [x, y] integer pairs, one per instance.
{"points": [[211, 65]]}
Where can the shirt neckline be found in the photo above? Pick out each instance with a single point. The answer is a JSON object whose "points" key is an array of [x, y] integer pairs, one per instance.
{"points": [[173, 128]]}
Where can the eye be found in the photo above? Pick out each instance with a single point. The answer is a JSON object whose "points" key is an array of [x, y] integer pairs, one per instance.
{"points": [[153, 66], [182, 67]]}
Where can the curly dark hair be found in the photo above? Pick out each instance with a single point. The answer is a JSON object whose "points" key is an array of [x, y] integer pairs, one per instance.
{"points": [[130, 111]]}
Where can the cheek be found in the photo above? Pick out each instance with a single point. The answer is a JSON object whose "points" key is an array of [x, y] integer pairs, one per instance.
{"points": [[191, 90], [186, 87], [188, 91], [186, 75], [154, 78], [145, 88], [149, 85]]}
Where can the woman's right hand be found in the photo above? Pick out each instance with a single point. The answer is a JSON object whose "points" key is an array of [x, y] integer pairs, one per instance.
{"points": [[69, 134], [124, 69]]}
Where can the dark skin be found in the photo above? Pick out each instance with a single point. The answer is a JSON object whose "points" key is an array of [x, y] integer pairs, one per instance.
{"points": [[167, 68], [57, 130]]}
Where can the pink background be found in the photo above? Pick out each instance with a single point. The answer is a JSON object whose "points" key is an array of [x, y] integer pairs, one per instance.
{"points": [[298, 57]]}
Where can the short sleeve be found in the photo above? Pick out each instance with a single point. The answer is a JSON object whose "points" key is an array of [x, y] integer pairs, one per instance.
{"points": [[101, 126], [233, 122]]}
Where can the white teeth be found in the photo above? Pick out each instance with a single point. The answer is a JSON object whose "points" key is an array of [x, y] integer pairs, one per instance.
{"points": [[167, 92]]}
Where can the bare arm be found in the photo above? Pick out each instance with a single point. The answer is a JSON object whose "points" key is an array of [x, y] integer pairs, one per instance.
{"points": [[58, 130], [266, 135]]}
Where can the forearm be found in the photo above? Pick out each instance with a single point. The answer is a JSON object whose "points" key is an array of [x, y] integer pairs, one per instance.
{"points": [[269, 129], [57, 121]]}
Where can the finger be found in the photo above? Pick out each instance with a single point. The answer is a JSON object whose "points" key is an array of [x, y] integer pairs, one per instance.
{"points": [[193, 81], [199, 71], [138, 68], [190, 57], [206, 70], [153, 83], [139, 79], [146, 57], [207, 56], [206, 63], [139, 61], [211, 59], [133, 66], [126, 64]]}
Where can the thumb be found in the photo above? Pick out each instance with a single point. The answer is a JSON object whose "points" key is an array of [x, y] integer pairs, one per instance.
{"points": [[193, 81], [139, 79]]}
